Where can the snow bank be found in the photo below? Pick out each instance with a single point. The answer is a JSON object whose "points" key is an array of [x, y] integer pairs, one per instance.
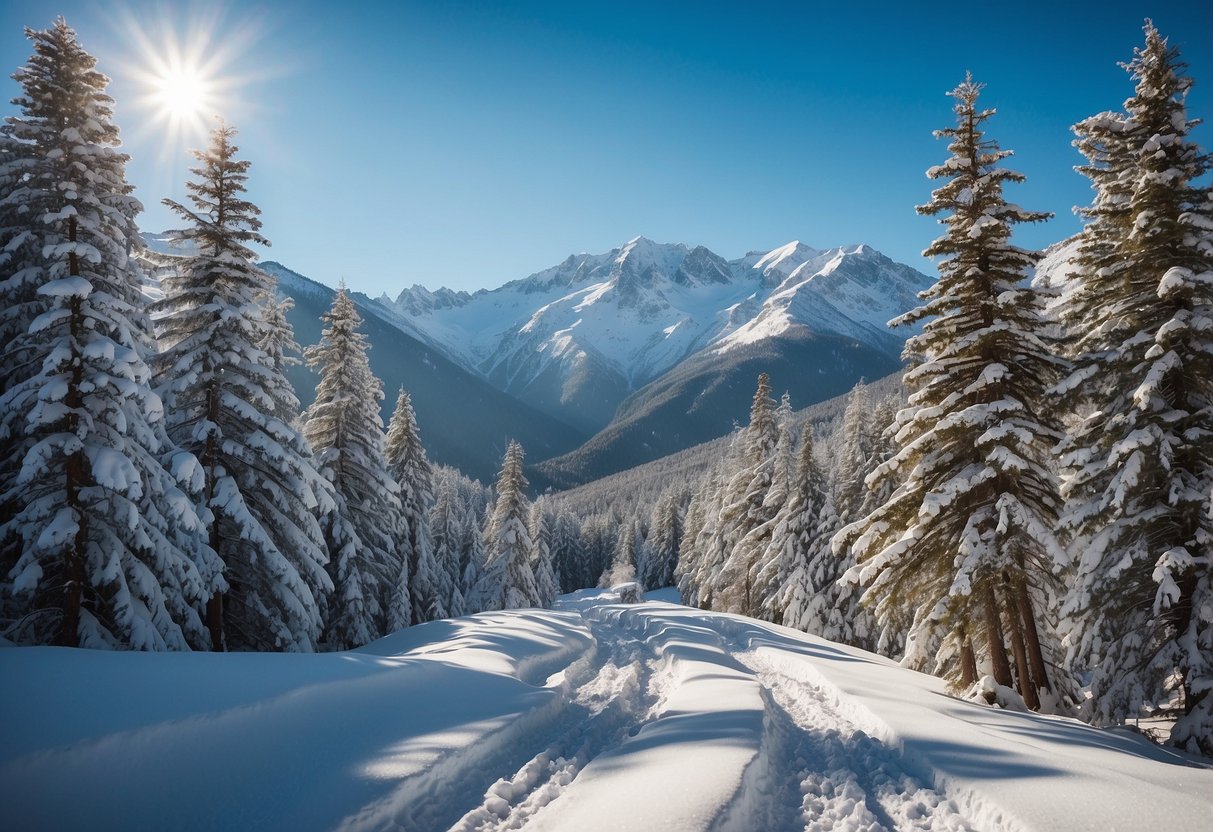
{"points": [[596, 716]]}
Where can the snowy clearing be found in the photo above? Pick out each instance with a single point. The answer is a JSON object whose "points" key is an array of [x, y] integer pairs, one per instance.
{"points": [[594, 716]]}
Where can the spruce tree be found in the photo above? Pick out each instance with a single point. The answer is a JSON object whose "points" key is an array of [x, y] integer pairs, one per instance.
{"points": [[230, 407], [446, 538], [1140, 465], [855, 455], [745, 513], [665, 536], [542, 563], [966, 541], [110, 552], [345, 432], [430, 585], [623, 562], [507, 580], [278, 342]]}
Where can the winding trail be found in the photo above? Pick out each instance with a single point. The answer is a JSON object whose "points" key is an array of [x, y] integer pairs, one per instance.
{"points": [[593, 716]]}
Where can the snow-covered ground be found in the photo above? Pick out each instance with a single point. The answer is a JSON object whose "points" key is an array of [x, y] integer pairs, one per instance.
{"points": [[593, 716]]}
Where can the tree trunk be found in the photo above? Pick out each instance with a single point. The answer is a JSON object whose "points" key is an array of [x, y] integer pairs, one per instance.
{"points": [[214, 604], [995, 642], [76, 476], [73, 559], [968, 661], [1036, 659], [1027, 685]]}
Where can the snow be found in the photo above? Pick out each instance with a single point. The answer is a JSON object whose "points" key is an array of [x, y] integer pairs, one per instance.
{"points": [[592, 716], [643, 307]]}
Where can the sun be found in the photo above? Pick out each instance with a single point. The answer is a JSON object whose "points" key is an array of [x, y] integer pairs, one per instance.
{"points": [[184, 94], [187, 72]]}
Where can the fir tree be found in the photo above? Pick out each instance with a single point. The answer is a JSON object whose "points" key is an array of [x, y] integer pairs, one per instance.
{"points": [[1140, 466], [806, 592], [446, 526], [855, 455], [110, 551], [967, 540], [278, 343], [623, 564], [507, 580], [567, 553], [745, 513], [234, 411], [345, 432], [430, 587], [665, 536], [542, 563]]}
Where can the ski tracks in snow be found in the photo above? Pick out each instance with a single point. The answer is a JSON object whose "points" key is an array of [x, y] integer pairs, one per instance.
{"points": [[657, 678]]}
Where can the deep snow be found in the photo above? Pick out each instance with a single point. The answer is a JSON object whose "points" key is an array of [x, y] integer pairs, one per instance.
{"points": [[593, 716]]}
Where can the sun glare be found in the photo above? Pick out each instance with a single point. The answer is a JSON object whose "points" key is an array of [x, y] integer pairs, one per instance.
{"points": [[184, 94], [189, 70]]}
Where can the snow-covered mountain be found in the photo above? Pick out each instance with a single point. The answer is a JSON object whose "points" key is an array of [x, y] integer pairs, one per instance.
{"points": [[576, 339]]}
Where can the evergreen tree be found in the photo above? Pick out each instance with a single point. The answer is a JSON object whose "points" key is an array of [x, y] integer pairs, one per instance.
{"points": [[623, 564], [1140, 466], [967, 540], [446, 526], [567, 552], [507, 580], [278, 343], [345, 431], [542, 563], [234, 411], [746, 514], [855, 455], [686, 569], [665, 536], [431, 585], [807, 595], [109, 550]]}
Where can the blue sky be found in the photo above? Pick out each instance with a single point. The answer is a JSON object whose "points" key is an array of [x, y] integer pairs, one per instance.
{"points": [[466, 144]]}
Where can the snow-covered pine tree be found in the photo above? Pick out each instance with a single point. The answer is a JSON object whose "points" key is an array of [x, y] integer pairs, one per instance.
{"points": [[110, 548], [507, 580], [1140, 466], [446, 537], [566, 550], [967, 539], [805, 589], [430, 584], [745, 513], [855, 455], [278, 342], [542, 563], [345, 431], [228, 406], [702, 552], [665, 536], [623, 564]]}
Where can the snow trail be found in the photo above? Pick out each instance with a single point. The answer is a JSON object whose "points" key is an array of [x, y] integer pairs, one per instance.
{"points": [[598, 717]]}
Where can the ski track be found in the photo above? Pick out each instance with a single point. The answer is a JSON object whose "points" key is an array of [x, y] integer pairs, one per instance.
{"points": [[815, 770], [609, 700]]}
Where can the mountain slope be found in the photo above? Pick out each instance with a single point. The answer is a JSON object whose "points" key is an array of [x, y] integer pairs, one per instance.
{"points": [[464, 421], [579, 338], [706, 395]]}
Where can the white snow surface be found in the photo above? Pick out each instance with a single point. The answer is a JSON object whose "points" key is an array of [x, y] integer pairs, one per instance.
{"points": [[643, 307], [593, 716]]}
